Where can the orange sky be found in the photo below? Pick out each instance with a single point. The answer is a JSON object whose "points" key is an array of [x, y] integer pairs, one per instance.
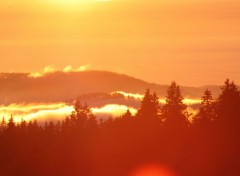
{"points": [[194, 42]]}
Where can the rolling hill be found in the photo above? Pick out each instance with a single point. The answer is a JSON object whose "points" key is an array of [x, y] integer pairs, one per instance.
{"points": [[60, 86]]}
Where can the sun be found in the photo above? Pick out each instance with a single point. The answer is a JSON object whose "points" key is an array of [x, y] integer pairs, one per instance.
{"points": [[74, 5], [72, 1], [76, 2]]}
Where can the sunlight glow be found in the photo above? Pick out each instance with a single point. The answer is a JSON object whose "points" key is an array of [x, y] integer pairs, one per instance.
{"points": [[75, 2], [71, 1], [73, 6], [190, 101]]}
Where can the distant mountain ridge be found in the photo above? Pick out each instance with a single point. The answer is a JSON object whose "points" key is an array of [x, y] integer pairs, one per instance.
{"points": [[60, 86]]}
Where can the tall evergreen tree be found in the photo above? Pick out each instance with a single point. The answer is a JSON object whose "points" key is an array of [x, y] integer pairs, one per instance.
{"points": [[174, 112], [150, 107], [82, 116], [228, 109], [207, 110]]}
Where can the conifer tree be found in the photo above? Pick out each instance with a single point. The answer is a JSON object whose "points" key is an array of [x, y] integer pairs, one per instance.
{"points": [[149, 106], [82, 116], [228, 103], [174, 112], [207, 110]]}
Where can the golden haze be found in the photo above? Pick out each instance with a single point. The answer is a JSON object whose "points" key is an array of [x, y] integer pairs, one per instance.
{"points": [[171, 39]]}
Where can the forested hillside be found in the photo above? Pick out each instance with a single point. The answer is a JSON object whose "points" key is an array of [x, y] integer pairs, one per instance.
{"points": [[207, 145]]}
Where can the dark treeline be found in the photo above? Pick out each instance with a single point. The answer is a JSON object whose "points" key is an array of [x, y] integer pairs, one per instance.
{"points": [[207, 145]]}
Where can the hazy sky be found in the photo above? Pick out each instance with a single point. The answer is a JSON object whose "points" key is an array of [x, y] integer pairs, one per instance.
{"points": [[194, 42]]}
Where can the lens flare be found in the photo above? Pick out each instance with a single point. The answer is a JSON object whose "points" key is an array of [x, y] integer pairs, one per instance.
{"points": [[152, 170]]}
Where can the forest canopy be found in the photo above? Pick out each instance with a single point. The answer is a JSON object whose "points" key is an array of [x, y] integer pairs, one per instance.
{"points": [[160, 134]]}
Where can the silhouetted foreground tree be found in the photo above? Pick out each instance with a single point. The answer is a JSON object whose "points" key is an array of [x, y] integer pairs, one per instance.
{"points": [[228, 106], [150, 107], [83, 146], [174, 112], [207, 111]]}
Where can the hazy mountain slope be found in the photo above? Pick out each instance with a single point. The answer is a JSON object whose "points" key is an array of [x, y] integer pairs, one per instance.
{"points": [[59, 86]]}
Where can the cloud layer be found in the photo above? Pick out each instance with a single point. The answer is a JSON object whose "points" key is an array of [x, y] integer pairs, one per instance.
{"points": [[57, 111]]}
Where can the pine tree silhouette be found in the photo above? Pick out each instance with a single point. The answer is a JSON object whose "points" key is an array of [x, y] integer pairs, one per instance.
{"points": [[150, 107], [207, 110], [174, 112], [228, 104]]}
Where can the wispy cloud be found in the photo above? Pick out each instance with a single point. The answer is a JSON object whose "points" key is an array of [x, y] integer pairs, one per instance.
{"points": [[51, 69], [137, 96], [70, 68], [46, 70], [114, 110]]}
